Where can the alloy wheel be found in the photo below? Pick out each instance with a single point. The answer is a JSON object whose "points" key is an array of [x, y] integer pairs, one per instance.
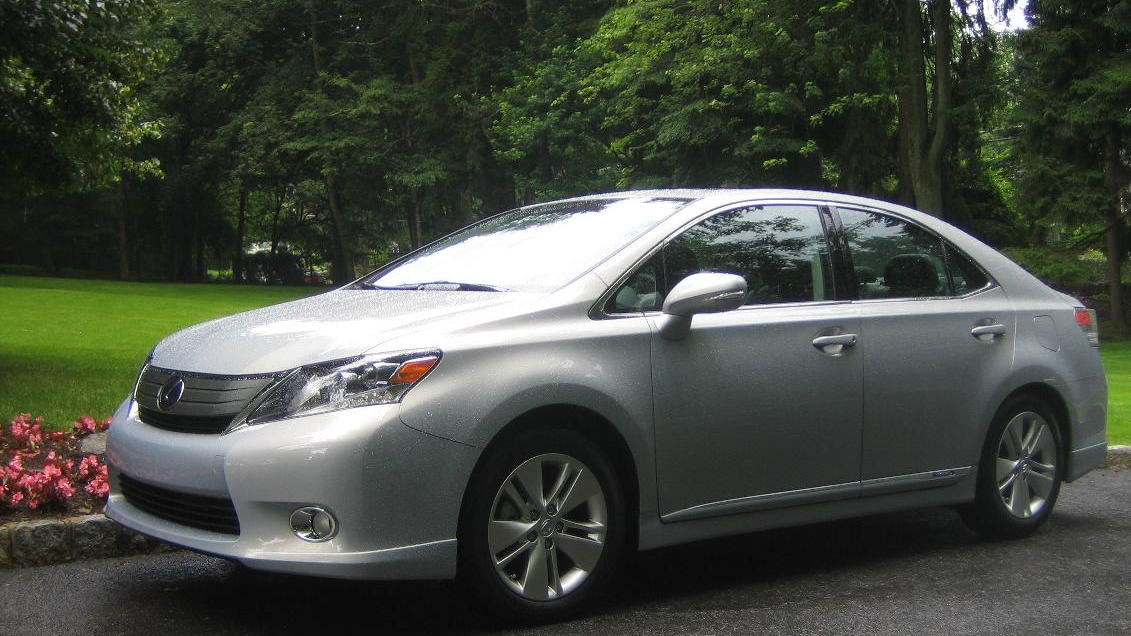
{"points": [[1026, 464], [547, 527]]}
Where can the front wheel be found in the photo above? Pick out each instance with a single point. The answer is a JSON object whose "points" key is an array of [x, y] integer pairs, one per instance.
{"points": [[1020, 471], [543, 526]]}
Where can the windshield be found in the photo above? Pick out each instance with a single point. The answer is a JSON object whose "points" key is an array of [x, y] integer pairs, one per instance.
{"points": [[538, 248]]}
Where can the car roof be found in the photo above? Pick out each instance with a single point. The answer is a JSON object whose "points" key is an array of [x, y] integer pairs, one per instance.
{"points": [[714, 197], [727, 193]]}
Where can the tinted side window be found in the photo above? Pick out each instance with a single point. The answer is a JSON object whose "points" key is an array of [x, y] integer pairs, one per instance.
{"points": [[643, 291], [965, 276], [892, 258], [780, 250]]}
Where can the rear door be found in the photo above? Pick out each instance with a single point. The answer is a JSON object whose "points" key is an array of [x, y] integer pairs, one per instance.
{"points": [[938, 332]]}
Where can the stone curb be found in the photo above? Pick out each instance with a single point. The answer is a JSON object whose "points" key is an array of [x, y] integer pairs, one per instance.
{"points": [[31, 543], [1118, 457], [50, 541]]}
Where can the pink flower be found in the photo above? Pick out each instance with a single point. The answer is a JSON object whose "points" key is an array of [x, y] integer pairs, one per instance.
{"points": [[85, 425], [99, 486], [25, 432], [88, 467], [64, 489]]}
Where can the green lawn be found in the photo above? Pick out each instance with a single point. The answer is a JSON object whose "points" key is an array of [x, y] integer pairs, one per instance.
{"points": [[71, 347], [1116, 355]]}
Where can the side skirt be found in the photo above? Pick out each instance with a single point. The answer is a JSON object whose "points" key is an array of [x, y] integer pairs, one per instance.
{"points": [[811, 505]]}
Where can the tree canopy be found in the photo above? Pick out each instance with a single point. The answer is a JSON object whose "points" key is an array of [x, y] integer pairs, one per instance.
{"points": [[69, 74], [174, 138]]}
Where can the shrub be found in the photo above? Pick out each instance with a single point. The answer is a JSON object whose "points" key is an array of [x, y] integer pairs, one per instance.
{"points": [[1061, 269]]}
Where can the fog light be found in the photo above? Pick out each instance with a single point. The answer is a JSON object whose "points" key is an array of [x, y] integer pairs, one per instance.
{"points": [[314, 524]]}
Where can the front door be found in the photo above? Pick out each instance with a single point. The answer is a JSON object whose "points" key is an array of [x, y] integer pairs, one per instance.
{"points": [[753, 409]]}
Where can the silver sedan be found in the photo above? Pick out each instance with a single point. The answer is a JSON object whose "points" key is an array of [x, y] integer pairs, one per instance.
{"points": [[522, 401]]}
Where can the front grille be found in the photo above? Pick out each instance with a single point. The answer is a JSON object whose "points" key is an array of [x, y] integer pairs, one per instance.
{"points": [[184, 423], [207, 404], [206, 513]]}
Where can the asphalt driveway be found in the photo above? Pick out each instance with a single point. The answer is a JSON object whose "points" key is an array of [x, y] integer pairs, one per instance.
{"points": [[912, 573]]}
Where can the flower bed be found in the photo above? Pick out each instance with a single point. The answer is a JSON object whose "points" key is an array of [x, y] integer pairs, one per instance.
{"points": [[45, 474]]}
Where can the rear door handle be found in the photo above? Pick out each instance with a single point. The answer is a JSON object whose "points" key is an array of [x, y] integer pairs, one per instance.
{"points": [[988, 333], [835, 345]]}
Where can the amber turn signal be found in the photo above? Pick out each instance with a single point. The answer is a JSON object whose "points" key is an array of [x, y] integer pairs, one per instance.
{"points": [[412, 370]]}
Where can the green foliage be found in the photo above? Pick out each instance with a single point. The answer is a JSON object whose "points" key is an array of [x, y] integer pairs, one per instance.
{"points": [[69, 73], [706, 93], [1061, 269], [352, 130], [1076, 61]]}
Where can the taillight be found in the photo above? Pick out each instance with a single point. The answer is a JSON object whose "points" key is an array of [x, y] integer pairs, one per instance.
{"points": [[1086, 318]]}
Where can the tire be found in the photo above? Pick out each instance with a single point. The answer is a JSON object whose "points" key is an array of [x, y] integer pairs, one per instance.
{"points": [[551, 556], [1020, 471]]}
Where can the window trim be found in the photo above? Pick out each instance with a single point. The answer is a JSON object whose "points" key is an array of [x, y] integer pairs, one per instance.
{"points": [[944, 244], [598, 310]]}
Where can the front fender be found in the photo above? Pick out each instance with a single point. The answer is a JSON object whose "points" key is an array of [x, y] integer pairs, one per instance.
{"points": [[599, 365]]}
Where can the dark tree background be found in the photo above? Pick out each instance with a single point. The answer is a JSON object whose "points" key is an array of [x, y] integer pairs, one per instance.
{"points": [[256, 139]]}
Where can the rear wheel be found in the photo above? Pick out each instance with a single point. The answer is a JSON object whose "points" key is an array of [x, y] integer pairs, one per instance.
{"points": [[543, 526], [1020, 471]]}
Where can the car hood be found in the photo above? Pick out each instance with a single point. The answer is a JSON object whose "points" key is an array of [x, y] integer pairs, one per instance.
{"points": [[329, 326]]}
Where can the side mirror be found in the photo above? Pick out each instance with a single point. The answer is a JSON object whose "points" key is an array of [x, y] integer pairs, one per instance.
{"points": [[703, 293]]}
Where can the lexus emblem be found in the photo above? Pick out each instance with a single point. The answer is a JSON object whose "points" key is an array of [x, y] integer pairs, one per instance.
{"points": [[170, 392]]}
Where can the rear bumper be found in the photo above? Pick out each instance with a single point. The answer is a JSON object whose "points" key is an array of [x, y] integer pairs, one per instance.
{"points": [[395, 492], [1087, 401]]}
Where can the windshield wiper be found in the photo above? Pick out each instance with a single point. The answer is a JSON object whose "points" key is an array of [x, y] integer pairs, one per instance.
{"points": [[438, 285]]}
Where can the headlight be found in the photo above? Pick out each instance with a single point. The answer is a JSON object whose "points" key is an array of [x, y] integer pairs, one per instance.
{"points": [[340, 384], [137, 380]]}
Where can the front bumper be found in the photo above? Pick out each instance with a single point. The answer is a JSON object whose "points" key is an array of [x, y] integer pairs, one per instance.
{"points": [[396, 492]]}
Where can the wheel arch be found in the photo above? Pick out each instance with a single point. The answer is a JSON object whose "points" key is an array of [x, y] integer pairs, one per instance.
{"points": [[584, 421], [1048, 394]]}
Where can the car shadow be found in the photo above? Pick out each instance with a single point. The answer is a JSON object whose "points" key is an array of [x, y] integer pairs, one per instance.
{"points": [[743, 569]]}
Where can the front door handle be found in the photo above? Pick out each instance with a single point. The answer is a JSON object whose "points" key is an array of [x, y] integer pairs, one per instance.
{"points": [[835, 345], [988, 333]]}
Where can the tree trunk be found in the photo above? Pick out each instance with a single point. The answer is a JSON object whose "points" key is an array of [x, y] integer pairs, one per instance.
{"points": [[241, 229], [414, 238], [414, 226], [1116, 227], [924, 150], [198, 271], [180, 230], [1114, 269], [341, 255], [121, 210], [932, 193], [272, 260]]}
